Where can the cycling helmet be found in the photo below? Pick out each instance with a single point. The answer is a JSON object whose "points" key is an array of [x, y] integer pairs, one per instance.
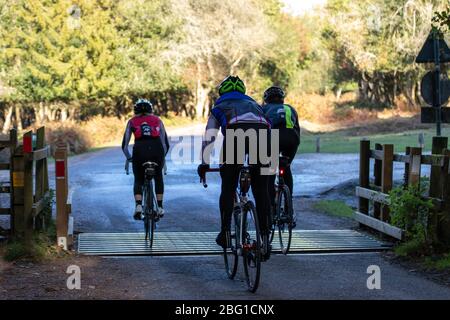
{"points": [[231, 83], [274, 94], [143, 106]]}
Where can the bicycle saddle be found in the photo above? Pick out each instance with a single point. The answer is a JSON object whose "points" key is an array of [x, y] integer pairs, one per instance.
{"points": [[149, 164]]}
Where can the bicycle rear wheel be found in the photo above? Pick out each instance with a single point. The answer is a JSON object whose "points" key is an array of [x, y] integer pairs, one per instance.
{"points": [[145, 196], [251, 251], [153, 205], [230, 255], [285, 219]]}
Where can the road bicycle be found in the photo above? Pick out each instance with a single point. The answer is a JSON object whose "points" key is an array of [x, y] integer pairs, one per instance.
{"points": [[149, 201], [283, 217], [244, 238]]}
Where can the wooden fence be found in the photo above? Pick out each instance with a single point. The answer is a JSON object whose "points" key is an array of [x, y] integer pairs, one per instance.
{"points": [[30, 186], [378, 216], [5, 187]]}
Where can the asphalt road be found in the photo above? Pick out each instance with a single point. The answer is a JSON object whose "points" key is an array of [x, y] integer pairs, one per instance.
{"points": [[103, 202]]}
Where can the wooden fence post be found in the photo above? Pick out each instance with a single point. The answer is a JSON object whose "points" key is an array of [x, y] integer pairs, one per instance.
{"points": [[41, 180], [28, 185], [421, 140], [17, 190], [406, 172], [364, 172], [415, 156], [12, 150], [62, 217], [439, 144], [443, 226], [377, 181], [386, 176], [318, 145]]}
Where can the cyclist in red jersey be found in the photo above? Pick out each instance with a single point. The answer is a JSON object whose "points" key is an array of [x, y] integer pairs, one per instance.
{"points": [[150, 144]]}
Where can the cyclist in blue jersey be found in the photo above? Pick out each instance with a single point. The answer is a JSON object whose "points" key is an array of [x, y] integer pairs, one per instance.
{"points": [[235, 110]]}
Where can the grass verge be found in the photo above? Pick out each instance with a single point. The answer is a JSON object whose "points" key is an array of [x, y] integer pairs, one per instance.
{"points": [[41, 247], [335, 208], [347, 142]]}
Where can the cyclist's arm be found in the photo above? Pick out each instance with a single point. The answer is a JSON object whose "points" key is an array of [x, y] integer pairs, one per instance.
{"points": [[211, 131], [297, 124], [164, 138], [126, 140]]}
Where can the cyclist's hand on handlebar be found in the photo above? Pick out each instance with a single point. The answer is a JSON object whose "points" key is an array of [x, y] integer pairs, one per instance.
{"points": [[201, 170]]}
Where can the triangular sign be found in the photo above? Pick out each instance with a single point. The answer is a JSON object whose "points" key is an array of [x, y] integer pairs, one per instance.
{"points": [[426, 54]]}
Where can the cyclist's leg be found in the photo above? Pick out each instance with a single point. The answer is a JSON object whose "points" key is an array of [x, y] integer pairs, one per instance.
{"points": [[288, 147], [159, 188], [229, 174], [260, 190], [156, 155], [138, 172]]}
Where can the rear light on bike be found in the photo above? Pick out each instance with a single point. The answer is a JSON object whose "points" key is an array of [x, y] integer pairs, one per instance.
{"points": [[281, 172]]}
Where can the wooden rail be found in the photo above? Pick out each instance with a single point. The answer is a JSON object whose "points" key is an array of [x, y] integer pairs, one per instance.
{"points": [[384, 157]]}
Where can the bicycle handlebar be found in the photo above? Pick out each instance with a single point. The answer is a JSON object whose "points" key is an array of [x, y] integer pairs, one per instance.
{"points": [[203, 179]]}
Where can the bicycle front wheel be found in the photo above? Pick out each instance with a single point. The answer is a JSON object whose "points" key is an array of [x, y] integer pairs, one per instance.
{"points": [[230, 252], [251, 251], [285, 219]]}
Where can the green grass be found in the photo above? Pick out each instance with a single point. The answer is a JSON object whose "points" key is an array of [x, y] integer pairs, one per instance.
{"points": [[409, 248], [440, 263], [41, 246], [335, 208], [344, 143]]}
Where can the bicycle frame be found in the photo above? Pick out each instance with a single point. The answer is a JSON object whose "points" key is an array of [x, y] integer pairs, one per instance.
{"points": [[241, 200], [148, 191]]}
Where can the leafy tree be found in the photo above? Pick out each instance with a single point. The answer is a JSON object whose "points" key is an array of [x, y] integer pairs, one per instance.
{"points": [[218, 38], [59, 51]]}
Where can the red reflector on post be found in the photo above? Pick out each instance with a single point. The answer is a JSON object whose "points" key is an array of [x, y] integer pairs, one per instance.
{"points": [[27, 144], [60, 169]]}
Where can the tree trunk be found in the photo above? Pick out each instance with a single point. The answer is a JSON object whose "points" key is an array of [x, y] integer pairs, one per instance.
{"points": [[64, 114], [18, 118], [41, 113], [201, 94], [202, 100], [338, 93], [51, 113], [8, 117]]}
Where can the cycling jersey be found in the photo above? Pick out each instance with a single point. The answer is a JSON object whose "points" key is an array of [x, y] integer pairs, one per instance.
{"points": [[282, 116], [234, 108], [144, 127]]}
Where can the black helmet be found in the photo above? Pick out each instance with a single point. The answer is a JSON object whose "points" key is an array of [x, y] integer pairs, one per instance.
{"points": [[231, 83], [274, 94], [143, 106]]}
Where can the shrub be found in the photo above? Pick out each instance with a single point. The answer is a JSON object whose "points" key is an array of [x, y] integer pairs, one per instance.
{"points": [[411, 212], [70, 134]]}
